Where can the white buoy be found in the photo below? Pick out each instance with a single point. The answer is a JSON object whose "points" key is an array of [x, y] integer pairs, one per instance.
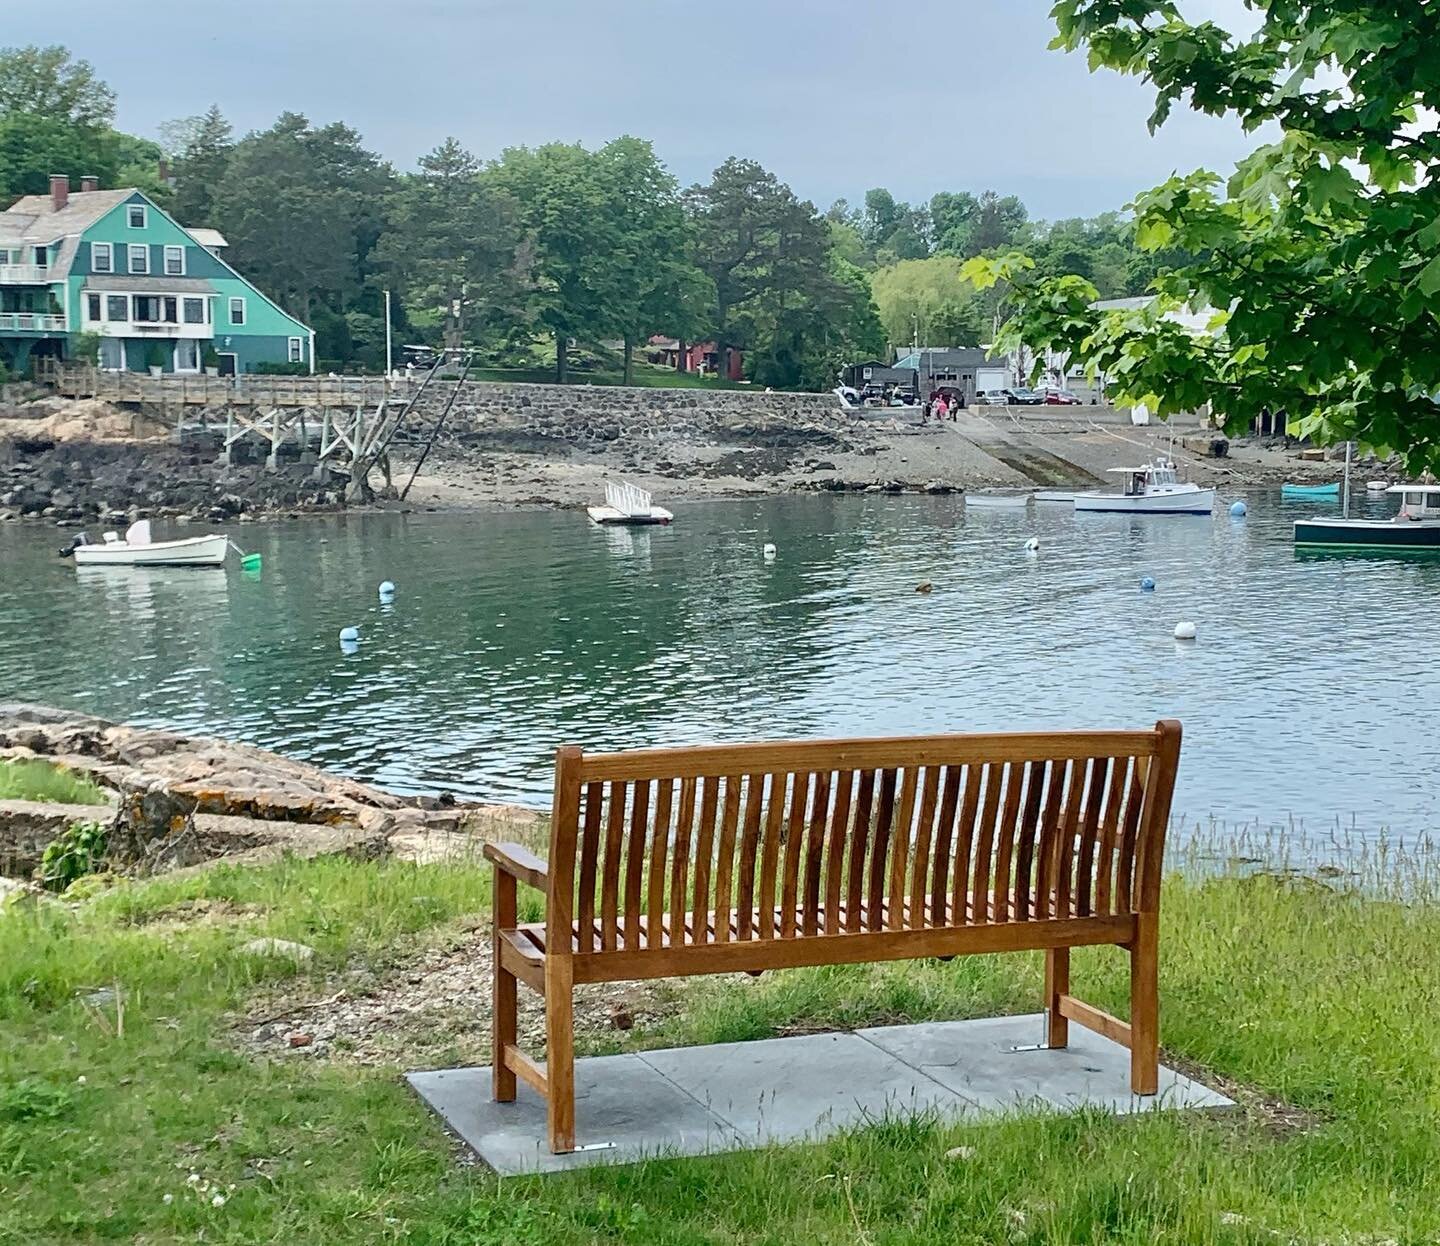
{"points": [[350, 634], [1238, 509], [387, 589], [1032, 546], [769, 550], [1184, 630]]}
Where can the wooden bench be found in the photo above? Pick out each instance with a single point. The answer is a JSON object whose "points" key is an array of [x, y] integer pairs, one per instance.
{"points": [[668, 862]]}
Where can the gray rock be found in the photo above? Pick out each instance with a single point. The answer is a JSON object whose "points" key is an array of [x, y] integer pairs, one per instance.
{"points": [[278, 947]]}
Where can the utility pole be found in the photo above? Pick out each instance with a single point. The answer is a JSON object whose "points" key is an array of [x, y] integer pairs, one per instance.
{"points": [[388, 364]]}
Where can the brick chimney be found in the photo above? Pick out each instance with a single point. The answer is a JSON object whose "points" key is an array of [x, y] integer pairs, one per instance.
{"points": [[90, 183], [59, 191]]}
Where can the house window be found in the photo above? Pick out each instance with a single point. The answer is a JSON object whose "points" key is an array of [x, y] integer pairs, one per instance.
{"points": [[174, 261], [4, 257], [117, 307], [112, 354], [139, 258], [194, 311], [296, 351], [156, 309], [42, 256], [92, 306], [187, 355], [237, 311], [136, 214], [102, 257]]}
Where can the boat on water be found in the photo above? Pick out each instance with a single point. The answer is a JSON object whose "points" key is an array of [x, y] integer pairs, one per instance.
{"points": [[137, 549], [1293, 492], [628, 504], [1155, 489], [1058, 497], [1415, 527], [997, 501]]}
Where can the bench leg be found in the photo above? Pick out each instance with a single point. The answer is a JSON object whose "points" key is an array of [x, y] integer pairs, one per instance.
{"points": [[1145, 1006], [560, 1053], [1057, 983], [505, 1029]]}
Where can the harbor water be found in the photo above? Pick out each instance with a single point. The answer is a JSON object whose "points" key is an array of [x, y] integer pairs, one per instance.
{"points": [[1308, 697]]}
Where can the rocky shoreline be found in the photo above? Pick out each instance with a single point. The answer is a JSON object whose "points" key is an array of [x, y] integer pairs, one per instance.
{"points": [[77, 462], [177, 801]]}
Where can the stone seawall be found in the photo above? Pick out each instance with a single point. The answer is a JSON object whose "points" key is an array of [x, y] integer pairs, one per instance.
{"points": [[582, 414]]}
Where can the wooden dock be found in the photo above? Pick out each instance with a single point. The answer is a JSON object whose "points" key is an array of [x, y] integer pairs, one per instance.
{"points": [[72, 380]]}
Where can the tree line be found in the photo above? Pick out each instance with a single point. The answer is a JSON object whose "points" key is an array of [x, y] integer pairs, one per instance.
{"points": [[553, 250]]}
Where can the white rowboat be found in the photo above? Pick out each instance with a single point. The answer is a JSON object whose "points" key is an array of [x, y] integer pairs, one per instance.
{"points": [[136, 549], [989, 501]]}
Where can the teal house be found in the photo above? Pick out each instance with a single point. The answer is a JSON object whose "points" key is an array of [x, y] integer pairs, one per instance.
{"points": [[158, 295]]}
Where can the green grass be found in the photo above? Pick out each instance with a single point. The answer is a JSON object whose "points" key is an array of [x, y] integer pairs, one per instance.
{"points": [[646, 376], [40, 780], [1324, 998]]}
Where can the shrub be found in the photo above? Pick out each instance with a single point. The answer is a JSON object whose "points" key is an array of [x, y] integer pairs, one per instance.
{"points": [[85, 348], [268, 368], [156, 356], [34, 779], [210, 357], [75, 852]]}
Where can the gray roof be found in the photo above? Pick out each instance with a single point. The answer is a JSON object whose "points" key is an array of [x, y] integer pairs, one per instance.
{"points": [[150, 285], [207, 237], [32, 219]]}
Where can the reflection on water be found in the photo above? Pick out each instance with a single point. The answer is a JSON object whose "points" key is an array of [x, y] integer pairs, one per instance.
{"points": [[1306, 695]]}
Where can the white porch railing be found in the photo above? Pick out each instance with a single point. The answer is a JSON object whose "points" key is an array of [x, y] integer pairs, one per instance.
{"points": [[31, 322], [24, 275]]}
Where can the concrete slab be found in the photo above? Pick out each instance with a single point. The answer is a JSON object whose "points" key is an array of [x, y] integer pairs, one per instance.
{"points": [[618, 1100], [732, 1096], [977, 1059], [789, 1089]]}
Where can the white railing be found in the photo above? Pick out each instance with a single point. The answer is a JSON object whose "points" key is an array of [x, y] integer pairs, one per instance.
{"points": [[24, 274], [31, 322]]}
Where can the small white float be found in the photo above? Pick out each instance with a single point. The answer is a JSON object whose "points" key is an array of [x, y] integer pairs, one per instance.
{"points": [[628, 504], [997, 501]]}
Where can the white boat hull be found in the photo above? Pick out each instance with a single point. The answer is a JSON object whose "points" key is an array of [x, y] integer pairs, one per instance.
{"points": [[198, 551], [1179, 502], [612, 515], [995, 500], [1060, 497]]}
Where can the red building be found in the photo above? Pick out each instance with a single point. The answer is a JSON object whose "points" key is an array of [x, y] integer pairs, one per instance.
{"points": [[700, 357]]}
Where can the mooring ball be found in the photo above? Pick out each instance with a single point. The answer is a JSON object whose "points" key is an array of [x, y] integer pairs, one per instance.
{"points": [[1032, 545], [1147, 585], [1184, 631], [1238, 509], [349, 635], [769, 550], [387, 588]]}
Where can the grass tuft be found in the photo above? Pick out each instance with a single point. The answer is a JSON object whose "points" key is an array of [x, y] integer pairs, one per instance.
{"points": [[27, 779]]}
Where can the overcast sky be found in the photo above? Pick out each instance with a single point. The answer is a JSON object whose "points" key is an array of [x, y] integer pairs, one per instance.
{"points": [[834, 96]]}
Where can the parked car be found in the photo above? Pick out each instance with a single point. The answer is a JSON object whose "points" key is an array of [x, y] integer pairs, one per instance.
{"points": [[1026, 397], [1061, 398], [994, 397]]}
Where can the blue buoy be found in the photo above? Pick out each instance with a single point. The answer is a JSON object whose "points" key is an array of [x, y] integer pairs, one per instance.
{"points": [[349, 634], [1147, 585], [387, 589], [1238, 509]]}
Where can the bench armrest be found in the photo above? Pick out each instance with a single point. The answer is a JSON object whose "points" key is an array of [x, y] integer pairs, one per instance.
{"points": [[519, 863]]}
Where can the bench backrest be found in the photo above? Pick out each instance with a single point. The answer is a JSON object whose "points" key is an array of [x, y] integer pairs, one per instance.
{"points": [[799, 840]]}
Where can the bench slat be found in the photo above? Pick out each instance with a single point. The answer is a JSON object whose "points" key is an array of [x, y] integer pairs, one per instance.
{"points": [[924, 845], [610, 871], [1036, 776], [659, 842], [1017, 774], [859, 846], [749, 849], [680, 866], [589, 860], [880, 846], [835, 850], [635, 862], [794, 850], [815, 851], [705, 846], [1134, 808], [725, 854]]}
